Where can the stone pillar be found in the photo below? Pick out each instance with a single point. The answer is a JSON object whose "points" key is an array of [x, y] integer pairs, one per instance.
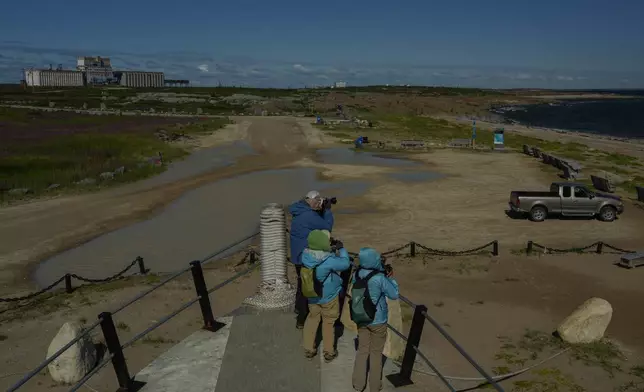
{"points": [[275, 291]]}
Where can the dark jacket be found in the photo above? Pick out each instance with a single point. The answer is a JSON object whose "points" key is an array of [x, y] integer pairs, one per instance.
{"points": [[305, 219]]}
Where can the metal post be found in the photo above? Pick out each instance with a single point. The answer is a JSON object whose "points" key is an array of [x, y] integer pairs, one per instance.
{"points": [[403, 378], [204, 298], [142, 269], [412, 249], [528, 250], [600, 247], [68, 284], [114, 347], [495, 248]]}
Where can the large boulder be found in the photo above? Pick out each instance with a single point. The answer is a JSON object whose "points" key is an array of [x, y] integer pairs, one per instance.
{"points": [[75, 362], [587, 323]]}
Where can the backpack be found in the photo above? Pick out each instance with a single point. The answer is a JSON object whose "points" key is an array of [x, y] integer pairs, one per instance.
{"points": [[311, 286], [362, 308]]}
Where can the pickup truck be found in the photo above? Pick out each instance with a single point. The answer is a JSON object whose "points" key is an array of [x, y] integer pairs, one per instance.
{"points": [[567, 199]]}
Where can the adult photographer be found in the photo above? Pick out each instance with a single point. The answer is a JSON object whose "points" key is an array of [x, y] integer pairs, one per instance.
{"points": [[310, 213]]}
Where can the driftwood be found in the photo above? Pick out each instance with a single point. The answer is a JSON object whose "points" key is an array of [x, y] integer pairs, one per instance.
{"points": [[602, 183], [412, 143], [460, 143], [640, 193]]}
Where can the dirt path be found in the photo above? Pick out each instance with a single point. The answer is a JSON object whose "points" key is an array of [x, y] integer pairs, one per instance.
{"points": [[34, 231]]}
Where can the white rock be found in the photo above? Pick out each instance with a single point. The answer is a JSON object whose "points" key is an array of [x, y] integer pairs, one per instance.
{"points": [[75, 362], [587, 323]]}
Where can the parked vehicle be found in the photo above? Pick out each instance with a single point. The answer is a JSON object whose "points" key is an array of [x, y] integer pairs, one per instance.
{"points": [[567, 199]]}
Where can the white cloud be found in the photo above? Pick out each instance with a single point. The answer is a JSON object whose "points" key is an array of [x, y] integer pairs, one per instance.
{"points": [[564, 77], [301, 68], [203, 68]]}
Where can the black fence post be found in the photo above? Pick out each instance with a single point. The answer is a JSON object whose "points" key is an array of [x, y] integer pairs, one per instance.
{"points": [[142, 269], [68, 284], [252, 257], [412, 249], [114, 347], [528, 249], [403, 378], [495, 248], [209, 322], [600, 247]]}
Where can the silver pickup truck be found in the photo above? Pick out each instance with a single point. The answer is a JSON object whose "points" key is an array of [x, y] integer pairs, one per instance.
{"points": [[567, 199]]}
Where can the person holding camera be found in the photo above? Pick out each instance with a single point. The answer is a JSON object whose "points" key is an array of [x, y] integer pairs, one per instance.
{"points": [[373, 283], [322, 263], [310, 213]]}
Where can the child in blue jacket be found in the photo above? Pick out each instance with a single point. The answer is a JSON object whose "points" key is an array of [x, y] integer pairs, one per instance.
{"points": [[327, 306], [372, 337]]}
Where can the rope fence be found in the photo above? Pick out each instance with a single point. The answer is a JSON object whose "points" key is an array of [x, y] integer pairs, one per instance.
{"points": [[114, 347], [67, 278], [595, 247], [412, 341], [419, 318]]}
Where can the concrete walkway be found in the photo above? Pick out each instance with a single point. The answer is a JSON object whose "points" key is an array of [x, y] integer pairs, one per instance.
{"points": [[254, 351]]}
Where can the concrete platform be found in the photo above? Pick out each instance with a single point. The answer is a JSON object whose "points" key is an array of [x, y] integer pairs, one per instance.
{"points": [[254, 351]]}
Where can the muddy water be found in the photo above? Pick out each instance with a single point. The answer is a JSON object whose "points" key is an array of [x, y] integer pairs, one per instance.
{"points": [[199, 162], [210, 217], [192, 227]]}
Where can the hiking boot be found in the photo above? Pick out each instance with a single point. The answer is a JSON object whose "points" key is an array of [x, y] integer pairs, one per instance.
{"points": [[328, 357], [308, 354]]}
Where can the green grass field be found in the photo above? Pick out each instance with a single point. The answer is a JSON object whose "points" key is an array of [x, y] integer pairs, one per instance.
{"points": [[50, 152]]}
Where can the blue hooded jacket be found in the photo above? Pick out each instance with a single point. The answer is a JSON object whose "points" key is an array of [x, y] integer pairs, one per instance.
{"points": [[328, 268], [380, 286], [305, 220]]}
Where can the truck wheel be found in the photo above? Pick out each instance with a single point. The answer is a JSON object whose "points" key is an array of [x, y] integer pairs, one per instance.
{"points": [[538, 214], [607, 214]]}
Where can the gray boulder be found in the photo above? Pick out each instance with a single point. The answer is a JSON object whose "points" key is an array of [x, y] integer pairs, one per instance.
{"points": [[19, 191], [86, 181], [75, 362], [107, 176], [587, 323]]}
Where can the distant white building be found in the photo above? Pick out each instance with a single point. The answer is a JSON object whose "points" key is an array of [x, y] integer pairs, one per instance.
{"points": [[53, 78], [340, 84]]}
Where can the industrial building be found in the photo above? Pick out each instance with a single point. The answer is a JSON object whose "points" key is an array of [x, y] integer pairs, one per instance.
{"points": [[54, 78], [97, 70], [93, 71], [340, 84], [140, 78]]}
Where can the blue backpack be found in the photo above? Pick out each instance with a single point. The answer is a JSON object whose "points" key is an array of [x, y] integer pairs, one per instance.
{"points": [[363, 309]]}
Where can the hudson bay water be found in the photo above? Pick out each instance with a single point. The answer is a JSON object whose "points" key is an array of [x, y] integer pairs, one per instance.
{"points": [[611, 117]]}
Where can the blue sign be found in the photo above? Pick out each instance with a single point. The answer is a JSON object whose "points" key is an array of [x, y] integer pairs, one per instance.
{"points": [[498, 137]]}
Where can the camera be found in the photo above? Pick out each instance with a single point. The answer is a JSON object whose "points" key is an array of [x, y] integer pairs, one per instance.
{"points": [[388, 268], [327, 202], [336, 244]]}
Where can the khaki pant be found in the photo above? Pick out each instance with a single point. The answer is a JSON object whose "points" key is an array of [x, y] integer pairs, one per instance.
{"points": [[371, 342], [329, 313]]}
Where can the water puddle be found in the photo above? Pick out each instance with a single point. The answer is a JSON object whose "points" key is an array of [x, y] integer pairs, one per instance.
{"points": [[202, 221], [345, 156], [201, 161], [415, 176], [215, 215]]}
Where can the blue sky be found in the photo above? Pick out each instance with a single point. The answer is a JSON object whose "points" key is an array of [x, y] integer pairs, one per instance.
{"points": [[494, 43]]}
